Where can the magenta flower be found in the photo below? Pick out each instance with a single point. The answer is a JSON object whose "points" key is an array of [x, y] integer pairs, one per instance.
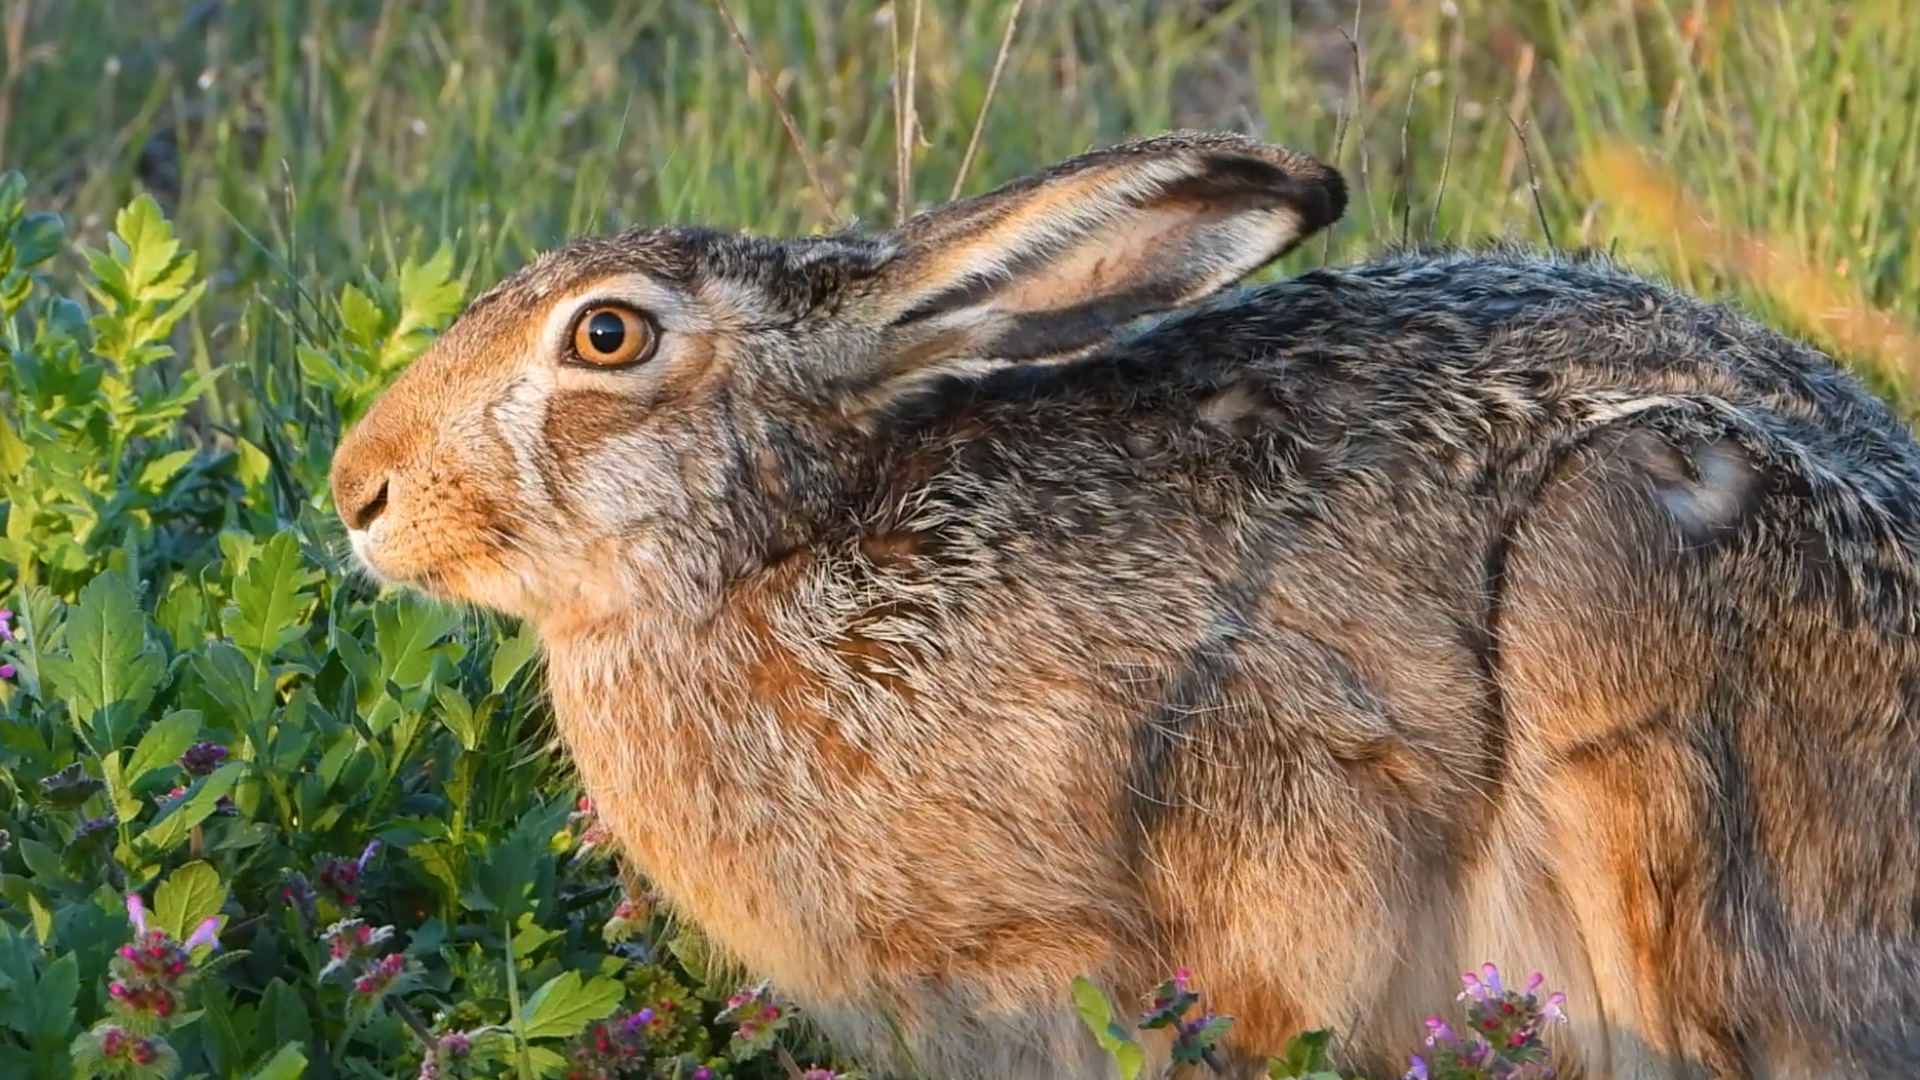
{"points": [[6, 629], [7, 671], [1419, 1069]]}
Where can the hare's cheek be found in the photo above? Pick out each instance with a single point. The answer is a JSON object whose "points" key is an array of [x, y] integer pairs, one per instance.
{"points": [[626, 482], [518, 423]]}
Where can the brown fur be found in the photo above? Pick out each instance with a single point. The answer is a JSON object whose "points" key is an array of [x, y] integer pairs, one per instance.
{"points": [[928, 645]]}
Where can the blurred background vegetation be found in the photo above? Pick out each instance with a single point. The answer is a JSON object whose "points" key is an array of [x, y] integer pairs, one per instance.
{"points": [[1766, 149]]}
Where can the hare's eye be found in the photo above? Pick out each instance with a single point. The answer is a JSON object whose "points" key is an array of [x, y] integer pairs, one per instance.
{"points": [[612, 336]]}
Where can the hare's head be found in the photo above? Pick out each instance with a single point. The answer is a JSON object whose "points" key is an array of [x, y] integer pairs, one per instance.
{"points": [[644, 414]]}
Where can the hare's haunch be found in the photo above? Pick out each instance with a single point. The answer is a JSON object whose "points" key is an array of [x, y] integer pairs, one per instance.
{"points": [[929, 644]]}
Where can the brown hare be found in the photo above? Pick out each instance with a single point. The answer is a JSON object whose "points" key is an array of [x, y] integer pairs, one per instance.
{"points": [[930, 634]]}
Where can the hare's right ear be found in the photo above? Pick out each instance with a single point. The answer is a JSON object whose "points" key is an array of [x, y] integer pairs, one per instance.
{"points": [[1052, 263]]}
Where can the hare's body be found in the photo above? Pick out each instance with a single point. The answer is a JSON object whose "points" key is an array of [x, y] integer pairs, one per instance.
{"points": [[1326, 639]]}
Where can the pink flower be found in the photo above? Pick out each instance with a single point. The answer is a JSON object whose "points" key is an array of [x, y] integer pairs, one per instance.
{"points": [[137, 913]]}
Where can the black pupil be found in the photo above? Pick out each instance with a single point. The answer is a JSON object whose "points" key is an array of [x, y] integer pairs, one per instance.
{"points": [[605, 332]]}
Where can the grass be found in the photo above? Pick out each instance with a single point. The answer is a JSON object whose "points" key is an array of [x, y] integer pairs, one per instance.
{"points": [[305, 140], [314, 153]]}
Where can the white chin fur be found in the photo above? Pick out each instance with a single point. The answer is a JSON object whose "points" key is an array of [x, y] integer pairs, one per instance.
{"points": [[362, 543]]}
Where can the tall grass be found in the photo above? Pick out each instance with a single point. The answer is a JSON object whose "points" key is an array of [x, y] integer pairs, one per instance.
{"points": [[312, 138]]}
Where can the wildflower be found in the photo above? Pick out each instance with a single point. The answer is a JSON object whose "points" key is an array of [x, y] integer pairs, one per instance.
{"points": [[609, 1048], [6, 628], [1169, 1002], [628, 919], [109, 1049], [1484, 987], [151, 973], [339, 879], [455, 1044], [299, 896], [7, 671], [349, 941], [70, 786], [91, 827], [379, 976], [819, 1074], [1418, 1070], [202, 758]]}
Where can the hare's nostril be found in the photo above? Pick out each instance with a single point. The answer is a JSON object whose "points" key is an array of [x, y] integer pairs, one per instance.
{"points": [[369, 508]]}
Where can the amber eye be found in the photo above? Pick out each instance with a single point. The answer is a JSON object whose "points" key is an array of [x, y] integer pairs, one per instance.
{"points": [[610, 336]]}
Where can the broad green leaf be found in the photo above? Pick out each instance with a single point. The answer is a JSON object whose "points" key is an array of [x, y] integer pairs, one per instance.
{"points": [[53, 1000], [172, 830], [271, 601], [436, 857], [190, 895], [109, 661], [511, 655], [405, 634], [284, 1017], [459, 717], [1097, 1013], [565, 1004], [36, 239], [125, 806], [162, 745], [290, 1063]]}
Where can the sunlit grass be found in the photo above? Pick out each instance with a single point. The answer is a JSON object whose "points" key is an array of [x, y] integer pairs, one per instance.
{"points": [[302, 143]]}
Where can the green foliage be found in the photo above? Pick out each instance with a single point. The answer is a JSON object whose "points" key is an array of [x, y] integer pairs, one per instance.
{"points": [[324, 796]]}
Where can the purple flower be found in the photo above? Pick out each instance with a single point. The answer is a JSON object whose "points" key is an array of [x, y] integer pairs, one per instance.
{"points": [[1482, 987], [1419, 1069], [137, 913], [1438, 1031], [202, 758], [1553, 1009], [205, 934], [7, 671], [6, 631]]}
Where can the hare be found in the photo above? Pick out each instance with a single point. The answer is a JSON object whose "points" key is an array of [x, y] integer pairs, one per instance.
{"points": [[930, 633]]}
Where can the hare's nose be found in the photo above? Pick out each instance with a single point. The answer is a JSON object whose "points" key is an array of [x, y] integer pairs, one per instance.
{"points": [[363, 505]]}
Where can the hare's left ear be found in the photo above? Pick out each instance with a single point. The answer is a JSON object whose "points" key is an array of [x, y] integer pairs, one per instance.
{"points": [[1052, 263]]}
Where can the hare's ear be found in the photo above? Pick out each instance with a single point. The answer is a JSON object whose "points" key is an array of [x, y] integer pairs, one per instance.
{"points": [[1052, 263]]}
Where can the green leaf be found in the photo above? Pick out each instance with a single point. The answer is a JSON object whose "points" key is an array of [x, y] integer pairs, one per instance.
{"points": [[13, 452], [1305, 1057], [191, 895], [511, 655], [271, 601], [125, 806], [1097, 1013], [284, 1017], [162, 745], [109, 661], [171, 830], [53, 999], [37, 239], [459, 717], [290, 1063], [564, 1005], [436, 858], [405, 633], [156, 473]]}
